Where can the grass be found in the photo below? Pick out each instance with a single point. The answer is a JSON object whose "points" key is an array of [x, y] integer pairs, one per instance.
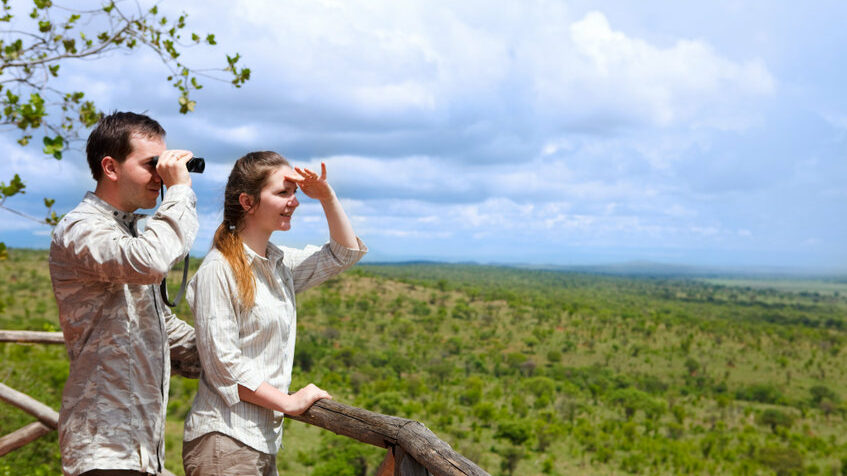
{"points": [[530, 372]]}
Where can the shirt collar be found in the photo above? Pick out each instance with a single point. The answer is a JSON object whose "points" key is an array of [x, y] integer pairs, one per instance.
{"points": [[127, 218], [272, 252]]}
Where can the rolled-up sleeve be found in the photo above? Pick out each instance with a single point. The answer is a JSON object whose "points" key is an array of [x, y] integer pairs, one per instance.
{"points": [[211, 296], [313, 265]]}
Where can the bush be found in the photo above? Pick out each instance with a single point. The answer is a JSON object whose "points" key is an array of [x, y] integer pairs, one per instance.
{"points": [[342, 456], [389, 403], [822, 392], [784, 461], [473, 391], [775, 419], [516, 432], [485, 412], [761, 392], [511, 455], [632, 400], [540, 386]]}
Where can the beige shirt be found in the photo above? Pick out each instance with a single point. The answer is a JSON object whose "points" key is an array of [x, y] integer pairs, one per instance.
{"points": [[248, 347], [119, 335]]}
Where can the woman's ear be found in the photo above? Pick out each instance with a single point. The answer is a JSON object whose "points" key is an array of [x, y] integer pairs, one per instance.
{"points": [[246, 202], [110, 168]]}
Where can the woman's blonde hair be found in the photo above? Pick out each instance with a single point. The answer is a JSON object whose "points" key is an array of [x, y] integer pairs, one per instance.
{"points": [[248, 176]]}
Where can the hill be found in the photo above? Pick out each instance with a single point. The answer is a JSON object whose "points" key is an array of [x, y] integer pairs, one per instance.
{"points": [[529, 371]]}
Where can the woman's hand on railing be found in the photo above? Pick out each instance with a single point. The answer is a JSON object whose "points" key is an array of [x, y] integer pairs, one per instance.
{"points": [[268, 396], [302, 399]]}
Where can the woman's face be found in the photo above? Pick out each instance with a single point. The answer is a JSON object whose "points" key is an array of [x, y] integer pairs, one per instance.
{"points": [[277, 201]]}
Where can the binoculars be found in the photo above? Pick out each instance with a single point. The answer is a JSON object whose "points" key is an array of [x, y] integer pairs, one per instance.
{"points": [[196, 164]]}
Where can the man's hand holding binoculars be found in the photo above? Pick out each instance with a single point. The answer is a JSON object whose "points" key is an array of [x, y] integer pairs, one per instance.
{"points": [[172, 167]]}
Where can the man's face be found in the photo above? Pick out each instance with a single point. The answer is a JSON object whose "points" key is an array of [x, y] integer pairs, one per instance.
{"points": [[139, 183]]}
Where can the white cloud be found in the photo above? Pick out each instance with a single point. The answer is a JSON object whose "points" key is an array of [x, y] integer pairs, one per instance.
{"points": [[643, 81], [481, 124]]}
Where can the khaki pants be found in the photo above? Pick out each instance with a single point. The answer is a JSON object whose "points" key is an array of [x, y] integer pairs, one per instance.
{"points": [[216, 454], [113, 472]]}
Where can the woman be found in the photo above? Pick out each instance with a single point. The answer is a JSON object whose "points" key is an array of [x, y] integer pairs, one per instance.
{"points": [[245, 318]]}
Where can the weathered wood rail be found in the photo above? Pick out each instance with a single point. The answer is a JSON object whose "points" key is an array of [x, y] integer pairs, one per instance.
{"points": [[413, 450]]}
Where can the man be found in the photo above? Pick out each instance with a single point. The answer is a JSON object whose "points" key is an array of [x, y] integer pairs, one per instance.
{"points": [[120, 336]]}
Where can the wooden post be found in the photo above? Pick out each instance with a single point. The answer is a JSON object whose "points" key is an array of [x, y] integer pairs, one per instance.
{"points": [[385, 431], [33, 337], [405, 465], [436, 455], [386, 468], [363, 425], [398, 463], [45, 414], [21, 437]]}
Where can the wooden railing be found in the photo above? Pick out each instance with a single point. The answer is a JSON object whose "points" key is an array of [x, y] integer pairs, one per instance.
{"points": [[413, 450]]}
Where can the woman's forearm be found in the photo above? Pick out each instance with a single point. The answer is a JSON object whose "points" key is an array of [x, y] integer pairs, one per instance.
{"points": [[340, 228], [268, 396]]}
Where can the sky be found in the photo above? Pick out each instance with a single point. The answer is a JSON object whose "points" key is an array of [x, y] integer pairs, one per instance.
{"points": [[524, 132]]}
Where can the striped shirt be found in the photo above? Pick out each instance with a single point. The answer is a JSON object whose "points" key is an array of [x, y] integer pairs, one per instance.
{"points": [[248, 347]]}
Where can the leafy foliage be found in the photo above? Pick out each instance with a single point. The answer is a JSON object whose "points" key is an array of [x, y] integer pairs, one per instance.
{"points": [[618, 398], [35, 46]]}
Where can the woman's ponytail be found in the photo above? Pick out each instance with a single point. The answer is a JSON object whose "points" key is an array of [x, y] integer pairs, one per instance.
{"points": [[230, 245]]}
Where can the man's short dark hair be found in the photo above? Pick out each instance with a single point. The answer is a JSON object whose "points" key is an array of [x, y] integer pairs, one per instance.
{"points": [[111, 137]]}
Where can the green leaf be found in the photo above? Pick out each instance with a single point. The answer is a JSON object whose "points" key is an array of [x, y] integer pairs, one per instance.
{"points": [[52, 218], [48, 202], [16, 186], [88, 114], [186, 105], [54, 146], [13, 50], [70, 45]]}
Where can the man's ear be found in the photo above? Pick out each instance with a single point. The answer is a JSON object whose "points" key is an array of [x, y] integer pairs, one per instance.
{"points": [[246, 202], [110, 168]]}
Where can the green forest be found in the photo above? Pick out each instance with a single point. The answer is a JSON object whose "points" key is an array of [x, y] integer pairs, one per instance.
{"points": [[527, 372]]}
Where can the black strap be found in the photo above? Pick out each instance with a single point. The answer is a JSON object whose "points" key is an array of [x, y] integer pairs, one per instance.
{"points": [[163, 288]]}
